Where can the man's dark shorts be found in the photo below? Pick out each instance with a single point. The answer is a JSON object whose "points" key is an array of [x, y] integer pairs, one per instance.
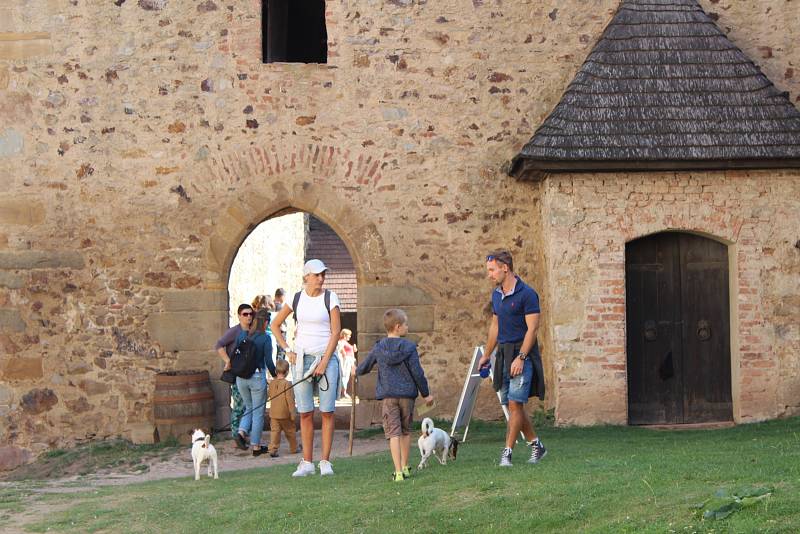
{"points": [[397, 416]]}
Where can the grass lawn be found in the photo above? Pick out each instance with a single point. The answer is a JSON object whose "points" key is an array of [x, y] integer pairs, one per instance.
{"points": [[602, 479]]}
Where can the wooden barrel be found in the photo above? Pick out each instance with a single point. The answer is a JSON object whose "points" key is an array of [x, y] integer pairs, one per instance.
{"points": [[183, 401]]}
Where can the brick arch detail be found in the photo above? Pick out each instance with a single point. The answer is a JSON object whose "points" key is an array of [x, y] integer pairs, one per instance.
{"points": [[725, 232], [324, 161], [308, 177]]}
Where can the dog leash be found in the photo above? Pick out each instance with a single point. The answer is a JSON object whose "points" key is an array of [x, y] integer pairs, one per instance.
{"points": [[261, 406]]}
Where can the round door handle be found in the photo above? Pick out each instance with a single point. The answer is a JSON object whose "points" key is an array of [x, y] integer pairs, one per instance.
{"points": [[703, 330]]}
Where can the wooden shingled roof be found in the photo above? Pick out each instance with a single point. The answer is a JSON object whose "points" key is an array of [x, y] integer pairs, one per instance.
{"points": [[664, 88], [323, 243]]}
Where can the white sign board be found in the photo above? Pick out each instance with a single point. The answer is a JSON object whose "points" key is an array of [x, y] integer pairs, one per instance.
{"points": [[469, 394]]}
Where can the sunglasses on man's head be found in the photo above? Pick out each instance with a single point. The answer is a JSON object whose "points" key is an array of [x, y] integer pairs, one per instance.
{"points": [[247, 314], [497, 257]]}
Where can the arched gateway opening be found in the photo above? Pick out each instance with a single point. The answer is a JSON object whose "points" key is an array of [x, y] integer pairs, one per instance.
{"points": [[272, 257], [678, 330]]}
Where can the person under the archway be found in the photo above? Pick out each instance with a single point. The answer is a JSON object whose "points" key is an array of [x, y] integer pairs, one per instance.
{"points": [[280, 294], [347, 356], [225, 347], [254, 388], [265, 302], [517, 366], [314, 352]]}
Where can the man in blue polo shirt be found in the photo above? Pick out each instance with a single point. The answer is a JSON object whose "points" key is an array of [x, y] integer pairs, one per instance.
{"points": [[517, 365]]}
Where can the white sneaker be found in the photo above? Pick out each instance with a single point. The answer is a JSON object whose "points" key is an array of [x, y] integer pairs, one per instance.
{"points": [[304, 469], [325, 468], [505, 458]]}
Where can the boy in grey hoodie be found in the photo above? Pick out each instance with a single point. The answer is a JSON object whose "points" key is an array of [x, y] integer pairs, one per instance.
{"points": [[400, 377]]}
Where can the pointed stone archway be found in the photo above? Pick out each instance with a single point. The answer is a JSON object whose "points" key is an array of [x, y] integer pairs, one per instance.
{"points": [[266, 186]]}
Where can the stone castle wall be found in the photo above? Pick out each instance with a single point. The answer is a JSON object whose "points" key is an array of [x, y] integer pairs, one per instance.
{"points": [[141, 141]]}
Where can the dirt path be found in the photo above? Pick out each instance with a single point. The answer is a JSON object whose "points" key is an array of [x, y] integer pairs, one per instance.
{"points": [[230, 459], [178, 465]]}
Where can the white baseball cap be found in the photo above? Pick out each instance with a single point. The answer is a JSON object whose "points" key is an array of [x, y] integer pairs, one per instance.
{"points": [[314, 267]]}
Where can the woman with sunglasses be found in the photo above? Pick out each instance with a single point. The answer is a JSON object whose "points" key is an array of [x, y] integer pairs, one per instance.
{"points": [[254, 388], [314, 353], [225, 347]]}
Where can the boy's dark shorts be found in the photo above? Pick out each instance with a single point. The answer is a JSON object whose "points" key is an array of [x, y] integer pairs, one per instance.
{"points": [[397, 416]]}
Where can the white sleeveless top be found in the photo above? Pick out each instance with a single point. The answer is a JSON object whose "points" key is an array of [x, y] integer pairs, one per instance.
{"points": [[313, 323]]}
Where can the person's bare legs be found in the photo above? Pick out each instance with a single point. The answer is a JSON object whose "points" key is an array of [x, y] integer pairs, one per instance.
{"points": [[405, 447], [396, 448], [518, 421], [307, 435], [327, 435]]}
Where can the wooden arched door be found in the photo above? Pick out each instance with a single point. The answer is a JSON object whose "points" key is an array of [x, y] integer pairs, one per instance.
{"points": [[678, 330]]}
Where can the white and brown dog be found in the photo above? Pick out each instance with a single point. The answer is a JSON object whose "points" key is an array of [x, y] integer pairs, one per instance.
{"points": [[203, 450], [435, 441]]}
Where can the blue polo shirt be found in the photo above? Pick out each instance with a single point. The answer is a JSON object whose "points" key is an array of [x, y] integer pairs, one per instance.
{"points": [[511, 311]]}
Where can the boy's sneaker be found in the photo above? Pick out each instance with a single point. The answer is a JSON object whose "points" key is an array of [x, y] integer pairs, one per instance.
{"points": [[325, 468], [406, 472], [505, 457], [399, 477], [304, 469], [537, 451]]}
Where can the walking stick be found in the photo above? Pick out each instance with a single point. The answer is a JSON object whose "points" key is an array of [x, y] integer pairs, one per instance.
{"points": [[353, 412]]}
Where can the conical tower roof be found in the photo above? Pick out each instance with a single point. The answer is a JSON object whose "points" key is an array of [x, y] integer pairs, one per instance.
{"points": [[664, 88]]}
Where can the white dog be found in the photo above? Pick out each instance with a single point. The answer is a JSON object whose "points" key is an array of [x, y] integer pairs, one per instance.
{"points": [[435, 440], [203, 450]]}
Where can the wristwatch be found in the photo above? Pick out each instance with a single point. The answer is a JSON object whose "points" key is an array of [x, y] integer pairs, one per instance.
{"points": [[522, 356]]}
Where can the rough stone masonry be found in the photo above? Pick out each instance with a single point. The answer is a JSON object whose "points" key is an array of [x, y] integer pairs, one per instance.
{"points": [[141, 140]]}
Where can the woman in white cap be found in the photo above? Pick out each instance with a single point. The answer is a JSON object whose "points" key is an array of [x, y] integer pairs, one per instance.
{"points": [[316, 337]]}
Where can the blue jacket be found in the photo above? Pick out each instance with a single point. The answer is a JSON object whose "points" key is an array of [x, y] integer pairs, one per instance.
{"points": [[400, 374]]}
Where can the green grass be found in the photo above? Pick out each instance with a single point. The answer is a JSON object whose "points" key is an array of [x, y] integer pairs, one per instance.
{"points": [[602, 479]]}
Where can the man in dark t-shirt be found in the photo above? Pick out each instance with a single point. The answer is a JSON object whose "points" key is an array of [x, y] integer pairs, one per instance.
{"points": [[517, 365]]}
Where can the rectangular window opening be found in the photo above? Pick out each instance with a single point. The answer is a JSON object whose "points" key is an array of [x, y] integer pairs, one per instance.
{"points": [[293, 31]]}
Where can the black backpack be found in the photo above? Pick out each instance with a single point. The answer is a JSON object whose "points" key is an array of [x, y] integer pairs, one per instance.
{"points": [[243, 361]]}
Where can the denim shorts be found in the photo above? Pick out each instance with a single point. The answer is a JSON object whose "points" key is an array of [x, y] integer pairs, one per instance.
{"points": [[518, 388], [326, 389]]}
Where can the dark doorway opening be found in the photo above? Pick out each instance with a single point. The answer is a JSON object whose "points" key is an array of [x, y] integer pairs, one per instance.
{"points": [[293, 31], [678, 330]]}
